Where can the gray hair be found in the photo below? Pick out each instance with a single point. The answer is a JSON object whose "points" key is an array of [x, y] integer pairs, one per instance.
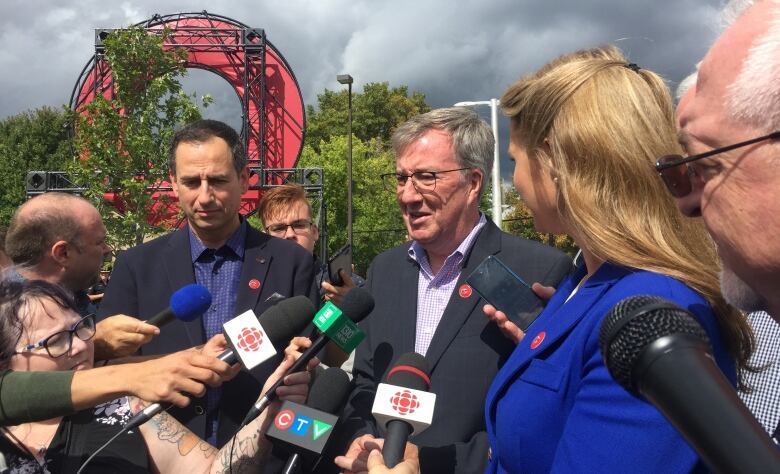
{"points": [[472, 137], [754, 97]]}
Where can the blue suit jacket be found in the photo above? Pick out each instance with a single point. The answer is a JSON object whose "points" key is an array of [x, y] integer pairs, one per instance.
{"points": [[555, 408], [144, 277]]}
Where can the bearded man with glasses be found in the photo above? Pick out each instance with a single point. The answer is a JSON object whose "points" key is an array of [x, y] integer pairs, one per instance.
{"points": [[422, 302], [729, 129]]}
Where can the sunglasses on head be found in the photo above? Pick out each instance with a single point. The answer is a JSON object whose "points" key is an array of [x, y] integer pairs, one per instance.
{"points": [[676, 173]]}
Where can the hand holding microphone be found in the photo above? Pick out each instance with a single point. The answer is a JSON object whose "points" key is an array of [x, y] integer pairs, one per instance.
{"points": [[120, 335], [337, 326], [254, 341]]}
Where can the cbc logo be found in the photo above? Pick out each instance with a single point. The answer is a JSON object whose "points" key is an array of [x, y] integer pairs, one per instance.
{"points": [[299, 424], [404, 402], [250, 339]]}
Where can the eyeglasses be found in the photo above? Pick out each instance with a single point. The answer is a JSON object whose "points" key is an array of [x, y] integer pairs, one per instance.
{"points": [[59, 343], [423, 181], [299, 227], [678, 177]]}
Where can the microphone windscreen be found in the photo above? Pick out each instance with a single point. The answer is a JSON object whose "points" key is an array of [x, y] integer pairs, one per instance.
{"points": [[634, 323], [287, 318], [411, 370], [357, 304], [190, 302], [329, 390]]}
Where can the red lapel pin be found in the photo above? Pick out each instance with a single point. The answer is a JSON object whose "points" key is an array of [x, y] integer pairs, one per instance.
{"points": [[538, 340], [254, 283], [464, 291]]}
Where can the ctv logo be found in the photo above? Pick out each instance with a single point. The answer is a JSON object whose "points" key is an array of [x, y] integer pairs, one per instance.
{"points": [[299, 424], [250, 339], [404, 402]]}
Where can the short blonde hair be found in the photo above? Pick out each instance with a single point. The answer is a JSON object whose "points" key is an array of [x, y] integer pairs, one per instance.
{"points": [[280, 199], [598, 124]]}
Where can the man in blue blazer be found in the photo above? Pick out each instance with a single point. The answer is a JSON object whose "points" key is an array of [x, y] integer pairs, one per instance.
{"points": [[422, 301], [240, 266]]}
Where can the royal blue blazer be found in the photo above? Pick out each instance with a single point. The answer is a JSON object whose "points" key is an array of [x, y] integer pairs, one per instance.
{"points": [[553, 407]]}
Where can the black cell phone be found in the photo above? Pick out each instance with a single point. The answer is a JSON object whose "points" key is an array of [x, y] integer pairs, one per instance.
{"points": [[341, 260], [506, 291]]}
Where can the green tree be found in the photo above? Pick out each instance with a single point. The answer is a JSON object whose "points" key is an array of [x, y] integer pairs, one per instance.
{"points": [[375, 113], [520, 222], [376, 220], [35, 140], [123, 140]]}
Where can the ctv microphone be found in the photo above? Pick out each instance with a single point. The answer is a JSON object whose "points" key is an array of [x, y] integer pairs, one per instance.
{"points": [[254, 339], [186, 304], [403, 404], [337, 325], [656, 349], [304, 430]]}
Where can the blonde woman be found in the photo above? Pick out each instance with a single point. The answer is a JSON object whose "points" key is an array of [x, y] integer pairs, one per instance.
{"points": [[585, 132]]}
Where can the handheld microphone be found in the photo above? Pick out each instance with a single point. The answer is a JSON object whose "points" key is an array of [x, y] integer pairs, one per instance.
{"points": [[186, 304], [655, 349], [337, 325], [304, 430], [403, 404], [278, 323]]}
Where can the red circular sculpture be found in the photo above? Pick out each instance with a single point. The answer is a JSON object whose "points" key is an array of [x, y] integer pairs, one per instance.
{"points": [[273, 110]]}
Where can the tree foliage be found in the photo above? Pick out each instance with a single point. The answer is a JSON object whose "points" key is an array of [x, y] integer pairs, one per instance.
{"points": [[123, 140], [35, 140], [377, 223], [375, 113], [520, 222]]}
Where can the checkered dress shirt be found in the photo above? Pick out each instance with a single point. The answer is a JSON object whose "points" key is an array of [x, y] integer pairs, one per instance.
{"points": [[764, 400], [434, 291]]}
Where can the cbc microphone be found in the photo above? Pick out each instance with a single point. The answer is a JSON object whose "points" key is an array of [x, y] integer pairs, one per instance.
{"points": [[186, 304], [278, 324], [304, 430], [337, 325], [404, 405], [656, 349]]}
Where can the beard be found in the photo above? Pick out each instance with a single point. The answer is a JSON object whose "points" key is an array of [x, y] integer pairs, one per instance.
{"points": [[739, 294]]}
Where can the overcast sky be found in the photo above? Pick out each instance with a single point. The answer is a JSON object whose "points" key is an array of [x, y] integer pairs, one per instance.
{"points": [[448, 50]]}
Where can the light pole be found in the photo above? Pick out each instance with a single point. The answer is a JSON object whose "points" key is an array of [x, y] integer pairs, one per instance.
{"points": [[493, 103], [347, 79]]}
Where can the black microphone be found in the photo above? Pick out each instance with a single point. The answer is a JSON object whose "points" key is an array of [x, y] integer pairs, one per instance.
{"points": [[280, 323], [305, 430], [403, 411], [656, 349], [355, 306], [187, 304]]}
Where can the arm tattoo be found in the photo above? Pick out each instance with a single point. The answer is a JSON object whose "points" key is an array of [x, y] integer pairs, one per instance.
{"points": [[249, 450], [168, 429]]}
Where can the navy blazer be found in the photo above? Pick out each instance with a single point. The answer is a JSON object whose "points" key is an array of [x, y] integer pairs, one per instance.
{"points": [[465, 353], [144, 277], [554, 407]]}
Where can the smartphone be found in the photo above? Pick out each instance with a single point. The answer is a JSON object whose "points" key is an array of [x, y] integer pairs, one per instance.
{"points": [[341, 260], [502, 288]]}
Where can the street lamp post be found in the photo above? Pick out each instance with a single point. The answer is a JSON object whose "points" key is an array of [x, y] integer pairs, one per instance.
{"points": [[347, 79], [493, 103]]}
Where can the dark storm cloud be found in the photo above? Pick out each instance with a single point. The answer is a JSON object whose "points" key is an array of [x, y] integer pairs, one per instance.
{"points": [[450, 51]]}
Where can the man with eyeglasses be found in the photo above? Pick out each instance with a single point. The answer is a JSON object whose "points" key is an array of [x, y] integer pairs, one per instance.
{"points": [[241, 267], [729, 127], [422, 302], [287, 214]]}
